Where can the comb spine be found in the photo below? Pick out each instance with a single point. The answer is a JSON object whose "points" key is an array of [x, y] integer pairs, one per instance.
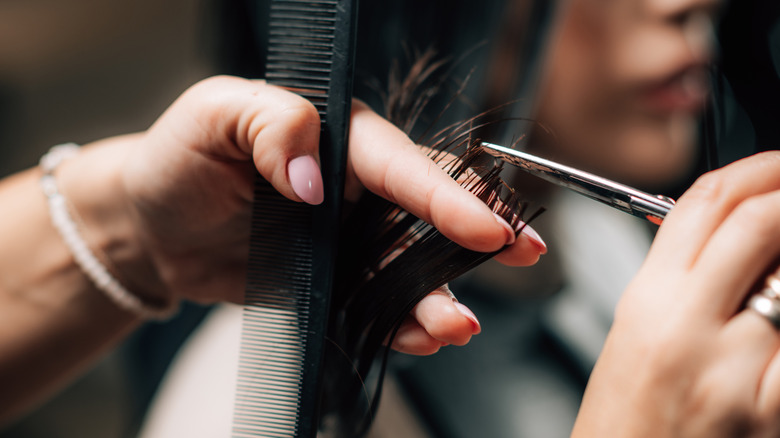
{"points": [[333, 141], [311, 44]]}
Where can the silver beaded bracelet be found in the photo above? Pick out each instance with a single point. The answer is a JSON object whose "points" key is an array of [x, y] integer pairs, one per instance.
{"points": [[89, 264]]}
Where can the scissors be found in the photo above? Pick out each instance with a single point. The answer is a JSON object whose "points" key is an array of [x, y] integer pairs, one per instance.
{"points": [[624, 198]]}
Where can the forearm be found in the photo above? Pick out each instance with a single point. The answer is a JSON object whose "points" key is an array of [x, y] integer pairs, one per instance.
{"points": [[53, 321]]}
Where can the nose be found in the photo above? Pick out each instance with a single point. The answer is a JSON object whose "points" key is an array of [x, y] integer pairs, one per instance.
{"points": [[680, 11], [699, 33], [693, 18]]}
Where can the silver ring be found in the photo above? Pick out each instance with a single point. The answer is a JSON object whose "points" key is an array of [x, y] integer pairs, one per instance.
{"points": [[772, 287], [767, 307]]}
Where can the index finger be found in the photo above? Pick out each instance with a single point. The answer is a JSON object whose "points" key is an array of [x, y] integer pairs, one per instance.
{"points": [[705, 206], [389, 164]]}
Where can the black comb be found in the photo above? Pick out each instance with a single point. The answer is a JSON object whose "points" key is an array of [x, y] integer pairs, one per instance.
{"points": [[310, 49]]}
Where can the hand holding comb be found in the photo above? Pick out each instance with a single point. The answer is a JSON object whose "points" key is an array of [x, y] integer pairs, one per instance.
{"points": [[292, 254]]}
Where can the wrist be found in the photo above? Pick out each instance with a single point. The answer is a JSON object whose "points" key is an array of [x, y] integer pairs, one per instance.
{"points": [[98, 206]]}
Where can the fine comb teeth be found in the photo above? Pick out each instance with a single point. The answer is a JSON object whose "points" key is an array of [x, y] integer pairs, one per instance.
{"points": [[300, 50], [292, 256], [275, 319]]}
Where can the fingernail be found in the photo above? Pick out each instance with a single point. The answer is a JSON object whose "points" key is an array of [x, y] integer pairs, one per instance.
{"points": [[510, 233], [306, 179], [465, 311], [534, 238]]}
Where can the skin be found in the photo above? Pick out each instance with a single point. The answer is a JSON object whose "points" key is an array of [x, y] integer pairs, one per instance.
{"points": [[684, 357], [625, 84], [167, 211]]}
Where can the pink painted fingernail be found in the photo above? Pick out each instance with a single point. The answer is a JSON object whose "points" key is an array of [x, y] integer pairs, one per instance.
{"points": [[510, 233], [306, 179], [465, 311], [534, 238]]}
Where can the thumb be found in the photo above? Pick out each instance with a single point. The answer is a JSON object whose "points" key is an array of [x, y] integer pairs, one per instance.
{"points": [[241, 119]]}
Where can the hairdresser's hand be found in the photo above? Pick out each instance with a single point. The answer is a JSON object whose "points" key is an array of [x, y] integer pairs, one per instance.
{"points": [[684, 358], [188, 182]]}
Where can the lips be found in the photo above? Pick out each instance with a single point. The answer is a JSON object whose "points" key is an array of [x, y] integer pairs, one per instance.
{"points": [[685, 91]]}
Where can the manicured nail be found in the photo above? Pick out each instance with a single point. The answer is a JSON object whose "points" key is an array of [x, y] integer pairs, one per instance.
{"points": [[465, 311], [510, 233], [306, 179], [534, 238]]}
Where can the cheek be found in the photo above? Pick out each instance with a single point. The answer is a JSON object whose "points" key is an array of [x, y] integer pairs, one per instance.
{"points": [[629, 147], [568, 89], [648, 53], [646, 152], [590, 91], [577, 79]]}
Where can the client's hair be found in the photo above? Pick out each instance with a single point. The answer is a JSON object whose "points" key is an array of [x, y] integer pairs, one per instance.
{"points": [[389, 259]]}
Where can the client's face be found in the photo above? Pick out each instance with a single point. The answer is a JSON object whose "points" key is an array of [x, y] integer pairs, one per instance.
{"points": [[625, 85]]}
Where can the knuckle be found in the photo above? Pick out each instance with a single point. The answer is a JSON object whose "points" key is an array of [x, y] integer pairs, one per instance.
{"points": [[218, 81], [299, 113], [211, 94], [770, 159], [757, 215], [708, 188], [395, 173], [757, 210], [214, 85]]}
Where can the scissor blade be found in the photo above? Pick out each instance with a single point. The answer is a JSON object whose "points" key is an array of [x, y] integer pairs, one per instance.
{"points": [[628, 199]]}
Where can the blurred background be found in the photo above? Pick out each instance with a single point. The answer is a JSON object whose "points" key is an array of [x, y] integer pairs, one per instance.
{"points": [[80, 70]]}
